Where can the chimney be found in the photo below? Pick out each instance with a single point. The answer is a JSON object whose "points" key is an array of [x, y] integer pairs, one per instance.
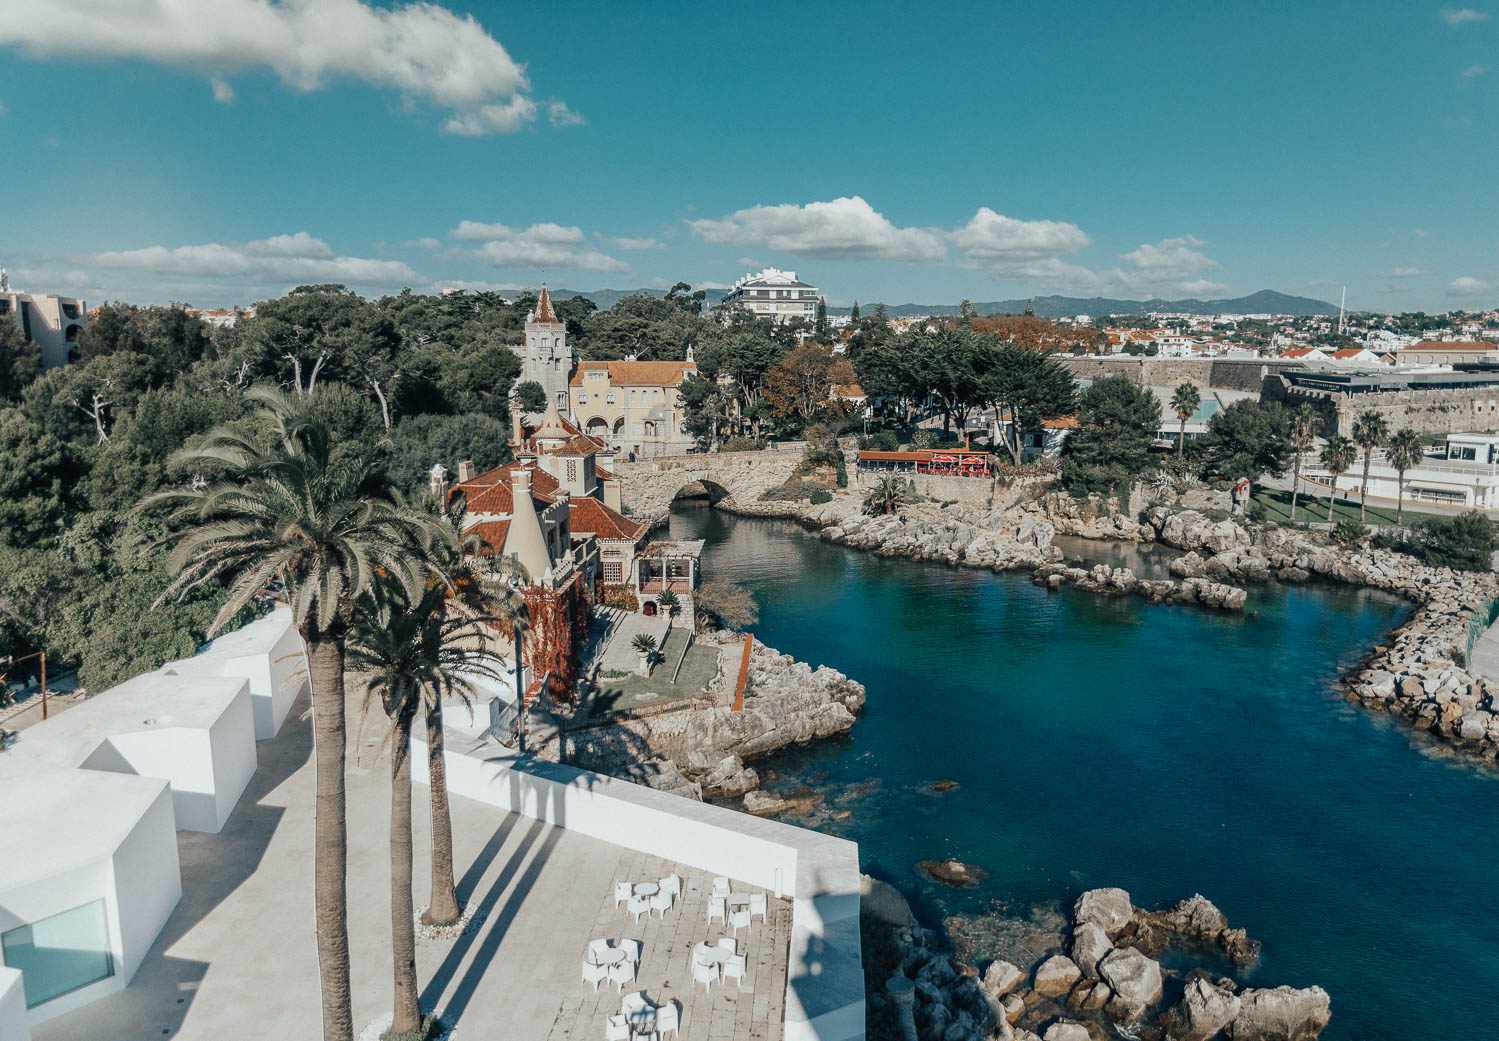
{"points": [[437, 479], [524, 539], [515, 425], [465, 471]]}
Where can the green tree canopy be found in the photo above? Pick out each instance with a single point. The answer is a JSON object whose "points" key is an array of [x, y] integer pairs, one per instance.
{"points": [[1117, 421]]}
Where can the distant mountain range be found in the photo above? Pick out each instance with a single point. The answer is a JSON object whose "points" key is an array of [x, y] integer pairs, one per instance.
{"points": [[1266, 301]]}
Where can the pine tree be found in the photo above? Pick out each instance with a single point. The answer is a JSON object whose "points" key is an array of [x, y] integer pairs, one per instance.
{"points": [[820, 325], [853, 315]]}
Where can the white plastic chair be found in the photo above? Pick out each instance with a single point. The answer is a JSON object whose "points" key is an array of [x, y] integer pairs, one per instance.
{"points": [[631, 948], [594, 973], [735, 967], [739, 920], [617, 1028], [622, 891], [728, 943], [634, 1002], [661, 902], [669, 1019], [622, 972], [705, 973], [672, 884], [715, 907], [720, 885], [598, 950], [757, 905], [639, 905]]}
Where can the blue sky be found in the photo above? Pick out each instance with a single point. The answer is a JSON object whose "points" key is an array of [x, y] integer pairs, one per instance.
{"points": [[222, 151]]}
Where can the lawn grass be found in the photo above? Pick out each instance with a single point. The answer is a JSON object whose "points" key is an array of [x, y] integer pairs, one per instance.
{"points": [[635, 691], [1277, 505]]}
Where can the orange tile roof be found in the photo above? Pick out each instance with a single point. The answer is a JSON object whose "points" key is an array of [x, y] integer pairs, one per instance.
{"points": [[490, 492], [544, 311], [1455, 345], [1348, 352], [1061, 423], [591, 517], [637, 373], [848, 390], [577, 446], [1298, 352], [491, 533]]}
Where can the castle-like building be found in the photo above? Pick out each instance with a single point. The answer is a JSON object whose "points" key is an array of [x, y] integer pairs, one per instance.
{"points": [[545, 357]]}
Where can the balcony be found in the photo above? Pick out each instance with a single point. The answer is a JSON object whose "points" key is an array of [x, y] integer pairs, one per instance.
{"points": [[664, 585]]}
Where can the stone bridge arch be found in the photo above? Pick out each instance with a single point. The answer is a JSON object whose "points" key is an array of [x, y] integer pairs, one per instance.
{"points": [[648, 487]]}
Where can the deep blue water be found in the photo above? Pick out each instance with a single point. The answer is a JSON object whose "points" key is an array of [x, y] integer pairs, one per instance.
{"points": [[1167, 750]]}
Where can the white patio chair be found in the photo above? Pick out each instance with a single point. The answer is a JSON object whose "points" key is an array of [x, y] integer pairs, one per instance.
{"points": [[622, 972], [672, 884], [631, 948], [622, 891], [669, 1019], [720, 885], [661, 902], [617, 1028], [705, 973], [639, 905], [757, 905], [728, 943], [633, 1002], [594, 973], [598, 950], [739, 920], [735, 967], [715, 907]]}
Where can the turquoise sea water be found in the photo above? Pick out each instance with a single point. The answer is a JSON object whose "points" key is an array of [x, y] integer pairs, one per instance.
{"points": [[1167, 750]]}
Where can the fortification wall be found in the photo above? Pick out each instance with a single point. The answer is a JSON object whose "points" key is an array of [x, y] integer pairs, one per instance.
{"points": [[1424, 411], [1245, 374]]}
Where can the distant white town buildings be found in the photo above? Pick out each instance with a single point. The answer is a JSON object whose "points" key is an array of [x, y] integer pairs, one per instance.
{"points": [[50, 321], [774, 294]]}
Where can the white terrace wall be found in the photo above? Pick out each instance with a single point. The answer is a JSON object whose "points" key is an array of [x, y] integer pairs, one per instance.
{"points": [[12, 1005], [825, 977]]}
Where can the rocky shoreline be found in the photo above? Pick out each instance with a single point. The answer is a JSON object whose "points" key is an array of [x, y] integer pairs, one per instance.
{"points": [[1096, 978]]}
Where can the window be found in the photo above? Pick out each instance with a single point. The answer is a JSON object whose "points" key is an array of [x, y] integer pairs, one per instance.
{"points": [[614, 572], [60, 954], [582, 398], [632, 395], [70, 310], [572, 471], [71, 335], [609, 398], [595, 375]]}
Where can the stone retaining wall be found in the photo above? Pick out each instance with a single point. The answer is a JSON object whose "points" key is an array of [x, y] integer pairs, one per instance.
{"points": [[1246, 374]]}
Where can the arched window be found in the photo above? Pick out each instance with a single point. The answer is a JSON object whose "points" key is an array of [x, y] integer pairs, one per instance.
{"points": [[71, 334]]}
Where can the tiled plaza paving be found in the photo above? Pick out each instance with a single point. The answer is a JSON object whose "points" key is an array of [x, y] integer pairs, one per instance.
{"points": [[747, 1011]]}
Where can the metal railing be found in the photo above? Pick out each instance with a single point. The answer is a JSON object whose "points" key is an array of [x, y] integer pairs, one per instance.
{"points": [[1478, 623]]}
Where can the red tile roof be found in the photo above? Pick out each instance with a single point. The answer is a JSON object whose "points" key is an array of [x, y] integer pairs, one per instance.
{"points": [[591, 517], [490, 492], [491, 533], [1455, 345], [544, 311], [637, 373], [580, 445]]}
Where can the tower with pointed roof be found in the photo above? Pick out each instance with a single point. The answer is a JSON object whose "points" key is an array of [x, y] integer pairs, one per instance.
{"points": [[545, 356]]}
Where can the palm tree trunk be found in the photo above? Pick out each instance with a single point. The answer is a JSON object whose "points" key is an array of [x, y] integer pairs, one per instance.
{"points": [[1363, 495], [1332, 495], [1399, 496], [325, 658], [443, 907], [1295, 485], [408, 1012], [1181, 437]]}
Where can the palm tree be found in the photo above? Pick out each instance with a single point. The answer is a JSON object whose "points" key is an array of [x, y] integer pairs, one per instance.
{"points": [[411, 654], [1337, 455], [1304, 424], [287, 509], [1406, 451], [1369, 432], [483, 587], [1184, 403], [645, 644], [669, 603], [886, 496]]}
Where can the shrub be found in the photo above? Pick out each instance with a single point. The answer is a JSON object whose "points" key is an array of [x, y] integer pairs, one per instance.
{"points": [[819, 497], [1390, 541], [1349, 531], [1464, 543], [743, 444], [883, 441], [1215, 515], [1257, 513], [842, 472], [620, 597]]}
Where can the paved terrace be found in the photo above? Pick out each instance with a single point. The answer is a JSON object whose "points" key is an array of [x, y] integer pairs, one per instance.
{"points": [[237, 958]]}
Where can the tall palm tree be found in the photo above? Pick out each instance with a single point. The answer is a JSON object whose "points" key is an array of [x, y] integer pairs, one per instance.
{"points": [[1304, 424], [482, 587], [1406, 452], [1184, 403], [286, 509], [411, 653], [1338, 456], [1369, 432]]}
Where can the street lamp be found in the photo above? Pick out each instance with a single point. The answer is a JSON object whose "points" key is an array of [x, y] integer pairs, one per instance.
{"points": [[11, 660]]}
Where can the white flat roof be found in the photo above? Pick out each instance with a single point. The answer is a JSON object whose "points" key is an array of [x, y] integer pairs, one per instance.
{"points": [[258, 637], [55, 820]]}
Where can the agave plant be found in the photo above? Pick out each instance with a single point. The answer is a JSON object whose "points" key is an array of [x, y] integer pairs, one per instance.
{"points": [[887, 496]]}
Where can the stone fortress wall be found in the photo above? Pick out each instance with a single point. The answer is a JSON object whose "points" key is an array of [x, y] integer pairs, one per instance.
{"points": [[1246, 374], [1425, 411]]}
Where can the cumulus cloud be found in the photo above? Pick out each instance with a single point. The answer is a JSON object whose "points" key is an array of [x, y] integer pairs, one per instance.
{"points": [[1473, 72], [1403, 272], [1467, 285], [1463, 15], [541, 246], [562, 116], [278, 259], [1006, 245], [847, 228], [420, 49], [223, 93], [637, 244]]}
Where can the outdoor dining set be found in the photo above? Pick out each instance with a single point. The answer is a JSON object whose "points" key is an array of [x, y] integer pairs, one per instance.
{"points": [[713, 961]]}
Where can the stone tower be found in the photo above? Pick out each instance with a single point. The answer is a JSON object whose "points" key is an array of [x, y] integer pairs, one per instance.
{"points": [[545, 357]]}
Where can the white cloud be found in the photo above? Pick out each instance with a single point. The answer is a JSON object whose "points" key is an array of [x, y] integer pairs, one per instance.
{"points": [[1467, 285], [846, 228], [1170, 258], [1473, 72], [428, 242], [278, 259], [541, 246], [223, 93], [1462, 15], [420, 49], [749, 262], [637, 244], [1402, 272], [1421, 233], [1005, 245], [562, 116]]}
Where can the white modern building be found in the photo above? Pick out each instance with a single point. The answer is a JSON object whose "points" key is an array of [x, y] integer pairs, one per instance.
{"points": [[50, 321], [774, 294], [1463, 474]]}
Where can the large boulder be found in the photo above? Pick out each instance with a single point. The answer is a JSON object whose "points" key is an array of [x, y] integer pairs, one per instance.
{"points": [[1001, 977], [885, 902], [1066, 1030], [1055, 976], [1135, 979], [1204, 1009], [1109, 909], [1090, 944], [1281, 1014]]}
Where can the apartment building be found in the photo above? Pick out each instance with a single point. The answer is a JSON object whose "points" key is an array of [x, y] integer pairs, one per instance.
{"points": [[774, 294]]}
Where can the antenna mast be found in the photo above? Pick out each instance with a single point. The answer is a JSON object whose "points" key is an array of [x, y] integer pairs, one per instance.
{"points": [[1341, 304]]}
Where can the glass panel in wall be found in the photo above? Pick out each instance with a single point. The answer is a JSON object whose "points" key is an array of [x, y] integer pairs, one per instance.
{"points": [[60, 954]]}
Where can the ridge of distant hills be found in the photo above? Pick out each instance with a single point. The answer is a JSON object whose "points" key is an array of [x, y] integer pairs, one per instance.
{"points": [[1266, 301]]}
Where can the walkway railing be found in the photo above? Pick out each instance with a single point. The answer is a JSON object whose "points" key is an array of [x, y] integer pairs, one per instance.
{"points": [[749, 646], [1478, 623]]}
